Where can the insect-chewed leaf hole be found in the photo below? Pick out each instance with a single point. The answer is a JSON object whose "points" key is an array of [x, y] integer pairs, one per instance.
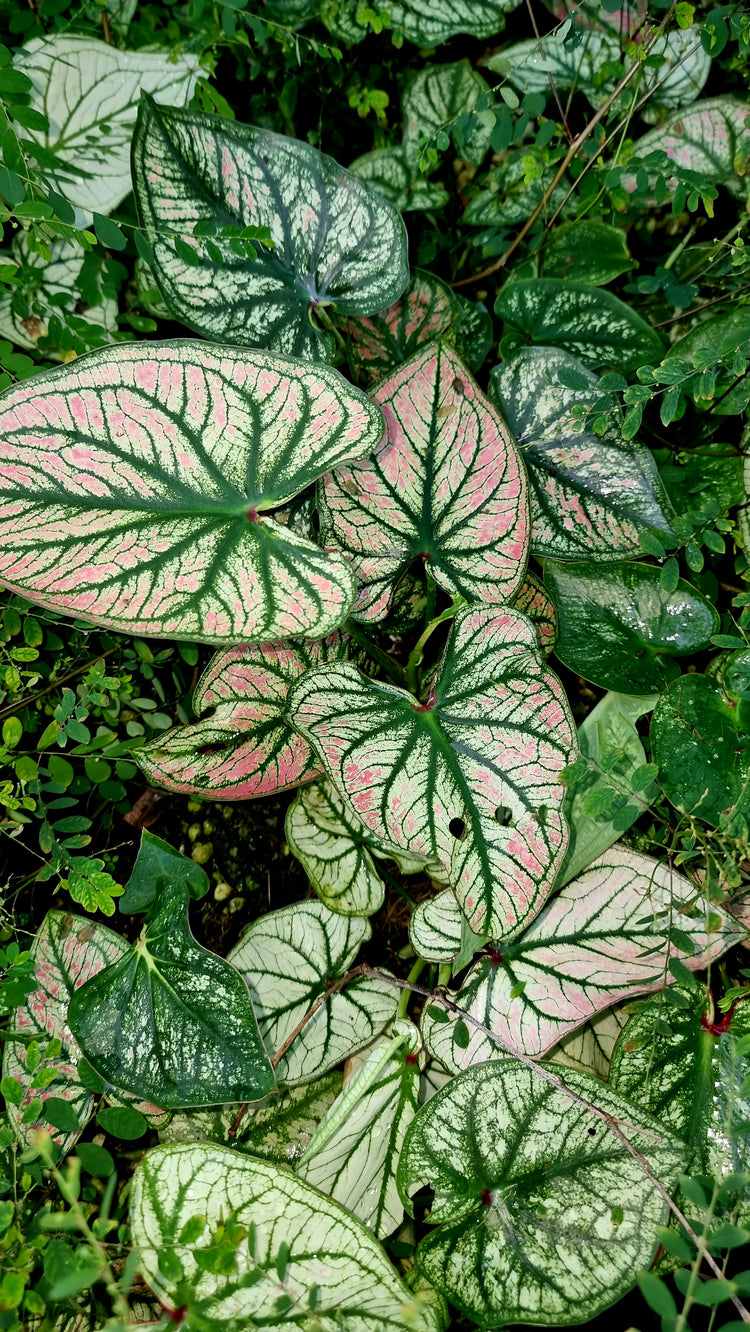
{"points": [[541, 815], [457, 828], [504, 816]]}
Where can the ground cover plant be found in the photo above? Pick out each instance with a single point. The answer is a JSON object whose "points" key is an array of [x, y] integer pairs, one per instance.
{"points": [[375, 674]]}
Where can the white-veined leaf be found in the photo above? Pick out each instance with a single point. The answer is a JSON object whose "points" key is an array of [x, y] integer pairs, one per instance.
{"points": [[543, 1215], [534, 601], [25, 315], [587, 321], [290, 958], [89, 92], [297, 1241], [511, 197], [603, 939], [589, 1050], [588, 251], [471, 777], [439, 931], [442, 97], [706, 140], [336, 243], [377, 345], [424, 22], [277, 1129], [387, 171], [446, 485], [137, 484]]}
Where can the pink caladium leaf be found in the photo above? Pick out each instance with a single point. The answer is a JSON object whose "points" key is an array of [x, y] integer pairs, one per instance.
{"points": [[446, 485], [245, 747], [138, 487], [470, 777], [608, 936], [533, 599], [376, 345], [67, 951], [708, 139]]}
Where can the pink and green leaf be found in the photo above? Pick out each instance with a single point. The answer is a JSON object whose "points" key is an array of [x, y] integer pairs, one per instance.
{"points": [[533, 600], [377, 345]]}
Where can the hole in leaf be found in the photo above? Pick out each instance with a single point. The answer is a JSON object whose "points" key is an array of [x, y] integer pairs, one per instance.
{"points": [[458, 385], [457, 828], [591, 1132], [504, 816]]}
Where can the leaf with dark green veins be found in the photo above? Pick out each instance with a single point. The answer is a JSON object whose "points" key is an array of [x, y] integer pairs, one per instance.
{"points": [[471, 333], [440, 97], [277, 1129], [588, 251], [156, 866], [377, 345], [386, 171], [533, 600], [702, 749], [425, 22], [705, 139], [587, 321]]}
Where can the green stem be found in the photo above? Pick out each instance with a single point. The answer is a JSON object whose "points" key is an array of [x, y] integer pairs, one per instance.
{"points": [[417, 653], [405, 995], [396, 886]]}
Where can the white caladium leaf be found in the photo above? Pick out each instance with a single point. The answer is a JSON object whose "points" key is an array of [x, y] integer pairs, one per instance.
{"points": [[425, 22], [25, 315], [587, 321], [336, 243], [377, 345], [387, 172], [592, 496], [471, 777], [707, 139], [590, 1049], [305, 1249], [290, 958], [89, 92], [442, 97], [138, 485], [439, 932], [517, 1241], [67, 951], [510, 197], [244, 747], [277, 1129], [446, 485], [356, 1163], [604, 938], [534, 601]]}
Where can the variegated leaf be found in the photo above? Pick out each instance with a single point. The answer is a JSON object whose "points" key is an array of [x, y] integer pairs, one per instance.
{"points": [[386, 171], [604, 938], [510, 197], [425, 22], [277, 1129], [25, 311], [471, 333], [377, 345], [589, 1050], [89, 92], [139, 482], [244, 748], [706, 139], [336, 243], [587, 321], [439, 931], [290, 958], [534, 601], [542, 1214], [301, 1243], [470, 777], [446, 485], [442, 97]]}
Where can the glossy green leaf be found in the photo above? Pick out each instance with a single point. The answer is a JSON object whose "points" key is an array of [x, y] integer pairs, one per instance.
{"points": [[519, 1239], [702, 747], [277, 1129], [587, 321], [470, 777], [387, 172], [591, 495], [140, 484], [588, 251], [705, 139], [377, 345], [157, 864], [427, 22], [446, 485], [511, 197], [619, 628], [721, 335], [57, 278], [442, 97], [704, 482], [337, 244]]}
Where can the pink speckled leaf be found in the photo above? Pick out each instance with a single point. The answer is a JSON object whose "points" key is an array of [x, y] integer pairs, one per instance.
{"points": [[139, 484], [446, 485], [707, 139], [533, 599], [67, 951], [376, 345], [471, 777], [244, 748], [604, 938]]}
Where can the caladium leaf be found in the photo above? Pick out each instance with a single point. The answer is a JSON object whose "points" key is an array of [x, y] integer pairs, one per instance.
{"points": [[511, 197], [620, 628], [604, 938], [290, 958], [590, 1049], [305, 1249], [446, 485], [364, 1130], [171, 1020], [471, 333], [700, 739], [278, 1129], [587, 321], [66, 951], [25, 311], [377, 345], [439, 932], [518, 1239], [244, 747], [89, 92], [138, 482], [426, 22], [335, 242], [470, 777], [157, 863], [587, 251], [387, 172], [721, 335], [442, 97], [533, 600], [706, 139]]}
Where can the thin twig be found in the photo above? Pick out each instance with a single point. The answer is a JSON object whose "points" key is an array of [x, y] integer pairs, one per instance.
{"points": [[552, 84], [363, 970], [56, 684]]}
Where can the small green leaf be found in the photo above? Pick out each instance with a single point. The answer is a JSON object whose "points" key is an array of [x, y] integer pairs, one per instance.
{"points": [[123, 1121]]}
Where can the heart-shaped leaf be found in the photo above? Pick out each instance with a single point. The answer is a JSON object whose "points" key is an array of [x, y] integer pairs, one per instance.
{"points": [[702, 748], [245, 747], [137, 484], [425, 22], [89, 92], [442, 97], [587, 321], [290, 958], [543, 1215], [296, 1246], [470, 777], [588, 251], [533, 600], [26, 310], [158, 863], [446, 485], [590, 1049], [171, 1017], [387, 172], [604, 938], [277, 1129], [706, 139], [376, 345], [619, 628], [439, 932], [591, 495], [511, 197], [335, 242]]}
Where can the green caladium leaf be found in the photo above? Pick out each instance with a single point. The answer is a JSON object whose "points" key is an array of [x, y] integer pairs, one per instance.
{"points": [[67, 951], [471, 777], [277, 1129], [335, 242], [244, 746], [471, 333], [89, 92], [706, 139], [290, 958], [171, 1017], [621, 629], [542, 1214], [300, 1246], [700, 739], [439, 931], [587, 321], [590, 1049], [399, 182], [705, 483], [140, 483], [533, 600], [603, 939], [377, 345], [588, 251], [423, 22], [591, 495], [510, 197], [25, 314], [157, 864], [716, 341], [354, 1153], [446, 485], [443, 97]]}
